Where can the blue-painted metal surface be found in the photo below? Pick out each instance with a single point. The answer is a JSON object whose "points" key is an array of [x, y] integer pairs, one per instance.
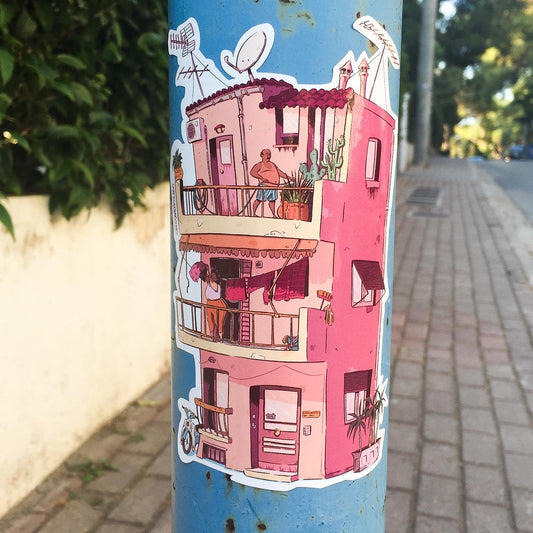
{"points": [[310, 35]]}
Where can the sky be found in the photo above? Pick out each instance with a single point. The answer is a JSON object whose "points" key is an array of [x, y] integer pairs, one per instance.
{"points": [[447, 8]]}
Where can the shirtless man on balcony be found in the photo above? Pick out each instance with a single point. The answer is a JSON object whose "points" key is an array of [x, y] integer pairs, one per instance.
{"points": [[267, 173]]}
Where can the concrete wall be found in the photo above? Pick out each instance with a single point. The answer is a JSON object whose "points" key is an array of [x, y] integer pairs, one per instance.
{"points": [[84, 329]]}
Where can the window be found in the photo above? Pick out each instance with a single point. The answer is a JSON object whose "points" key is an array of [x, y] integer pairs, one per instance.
{"points": [[356, 391], [373, 156], [225, 152], [216, 387], [367, 283], [281, 410], [287, 126]]}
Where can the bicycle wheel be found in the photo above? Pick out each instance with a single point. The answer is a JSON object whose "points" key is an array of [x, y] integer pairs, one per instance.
{"points": [[186, 441]]}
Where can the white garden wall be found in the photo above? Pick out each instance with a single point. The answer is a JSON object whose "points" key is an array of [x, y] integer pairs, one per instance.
{"points": [[84, 329]]}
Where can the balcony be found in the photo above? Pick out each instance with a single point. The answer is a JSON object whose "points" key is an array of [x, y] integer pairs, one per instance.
{"points": [[246, 333], [213, 420], [220, 209]]}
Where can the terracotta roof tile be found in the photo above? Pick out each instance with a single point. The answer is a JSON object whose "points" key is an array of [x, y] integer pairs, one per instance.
{"points": [[271, 88], [334, 98]]}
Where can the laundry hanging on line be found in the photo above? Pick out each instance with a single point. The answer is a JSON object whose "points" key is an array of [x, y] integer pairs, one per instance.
{"points": [[292, 282]]}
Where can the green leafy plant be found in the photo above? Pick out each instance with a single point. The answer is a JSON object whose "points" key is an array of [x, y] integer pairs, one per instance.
{"points": [[89, 469], [82, 123], [297, 190]]}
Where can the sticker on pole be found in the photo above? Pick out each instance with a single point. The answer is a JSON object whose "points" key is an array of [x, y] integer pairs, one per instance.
{"points": [[280, 200]]}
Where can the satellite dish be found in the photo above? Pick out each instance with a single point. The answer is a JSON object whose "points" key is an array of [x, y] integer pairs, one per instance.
{"points": [[249, 53]]}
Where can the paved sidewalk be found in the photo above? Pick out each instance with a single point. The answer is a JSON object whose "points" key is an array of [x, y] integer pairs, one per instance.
{"points": [[461, 432], [132, 491]]}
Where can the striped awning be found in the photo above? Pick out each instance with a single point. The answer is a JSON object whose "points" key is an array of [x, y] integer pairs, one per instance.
{"points": [[248, 246]]}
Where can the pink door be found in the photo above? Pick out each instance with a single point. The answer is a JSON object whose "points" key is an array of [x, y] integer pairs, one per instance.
{"points": [[278, 429], [223, 173]]}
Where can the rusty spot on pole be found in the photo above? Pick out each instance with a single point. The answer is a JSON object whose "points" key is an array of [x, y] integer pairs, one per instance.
{"points": [[230, 525], [261, 526]]}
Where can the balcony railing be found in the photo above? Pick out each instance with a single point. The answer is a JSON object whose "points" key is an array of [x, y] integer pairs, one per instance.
{"points": [[213, 420], [238, 200], [260, 329]]}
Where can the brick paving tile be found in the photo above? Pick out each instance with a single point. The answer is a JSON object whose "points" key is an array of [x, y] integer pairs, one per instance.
{"points": [[397, 508], [127, 466], [495, 356], [523, 509], [401, 475], [486, 518], [405, 409], [473, 396], [500, 371], [432, 524], [478, 420], [480, 448], [440, 459], [78, 512], [440, 427], [402, 437], [164, 523], [505, 390], [408, 369], [519, 468], [439, 361], [439, 496], [144, 500], [406, 387], [162, 464], [471, 376], [484, 484], [440, 402], [150, 440], [517, 438], [27, 524], [511, 413], [439, 382]]}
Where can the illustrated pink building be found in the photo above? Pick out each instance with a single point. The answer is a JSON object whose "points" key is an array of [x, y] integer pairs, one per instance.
{"points": [[298, 352]]}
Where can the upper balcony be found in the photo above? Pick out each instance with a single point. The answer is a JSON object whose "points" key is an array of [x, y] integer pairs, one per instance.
{"points": [[235, 209]]}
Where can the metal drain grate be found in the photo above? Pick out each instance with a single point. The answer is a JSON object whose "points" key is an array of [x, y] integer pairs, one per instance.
{"points": [[429, 214], [424, 196]]}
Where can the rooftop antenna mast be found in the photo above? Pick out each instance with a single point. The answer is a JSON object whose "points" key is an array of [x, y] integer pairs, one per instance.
{"points": [[249, 54], [184, 40]]}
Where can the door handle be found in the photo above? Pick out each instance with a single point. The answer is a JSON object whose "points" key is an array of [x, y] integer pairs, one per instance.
{"points": [[277, 432]]}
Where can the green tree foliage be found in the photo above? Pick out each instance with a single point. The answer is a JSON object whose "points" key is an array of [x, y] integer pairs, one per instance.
{"points": [[83, 101], [486, 57]]}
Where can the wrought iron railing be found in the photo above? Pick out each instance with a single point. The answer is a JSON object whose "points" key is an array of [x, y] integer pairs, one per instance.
{"points": [[212, 419], [261, 329], [239, 200]]}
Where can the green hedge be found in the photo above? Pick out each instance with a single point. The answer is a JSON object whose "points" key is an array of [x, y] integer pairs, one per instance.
{"points": [[83, 102]]}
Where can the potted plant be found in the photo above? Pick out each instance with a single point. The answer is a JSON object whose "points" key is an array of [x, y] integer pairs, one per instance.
{"points": [[295, 198], [367, 421], [176, 164]]}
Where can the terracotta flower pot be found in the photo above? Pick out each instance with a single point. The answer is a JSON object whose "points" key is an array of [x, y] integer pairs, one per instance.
{"points": [[293, 211]]}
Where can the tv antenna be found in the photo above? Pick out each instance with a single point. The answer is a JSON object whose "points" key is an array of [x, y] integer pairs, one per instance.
{"points": [[249, 54], [184, 40]]}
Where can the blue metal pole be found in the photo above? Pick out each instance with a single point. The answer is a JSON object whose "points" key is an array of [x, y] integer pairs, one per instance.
{"points": [[283, 125]]}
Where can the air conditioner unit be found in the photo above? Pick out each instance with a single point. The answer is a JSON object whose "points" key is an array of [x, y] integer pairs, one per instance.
{"points": [[195, 130]]}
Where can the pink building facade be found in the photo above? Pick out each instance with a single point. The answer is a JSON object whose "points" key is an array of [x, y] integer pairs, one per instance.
{"points": [[297, 354]]}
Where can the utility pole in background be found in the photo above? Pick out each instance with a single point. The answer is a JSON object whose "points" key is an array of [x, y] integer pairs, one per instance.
{"points": [[426, 60]]}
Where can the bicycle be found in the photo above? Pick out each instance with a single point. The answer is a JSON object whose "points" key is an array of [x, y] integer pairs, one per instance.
{"points": [[190, 437]]}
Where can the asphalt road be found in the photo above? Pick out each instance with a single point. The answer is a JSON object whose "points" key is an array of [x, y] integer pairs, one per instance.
{"points": [[516, 179]]}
